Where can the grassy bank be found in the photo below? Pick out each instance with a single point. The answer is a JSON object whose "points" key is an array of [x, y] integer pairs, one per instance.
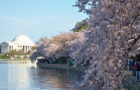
{"points": [[14, 56]]}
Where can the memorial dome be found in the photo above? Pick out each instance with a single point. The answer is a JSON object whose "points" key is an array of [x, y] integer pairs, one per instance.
{"points": [[23, 40]]}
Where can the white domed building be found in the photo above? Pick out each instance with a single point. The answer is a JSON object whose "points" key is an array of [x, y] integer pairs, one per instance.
{"points": [[20, 42]]}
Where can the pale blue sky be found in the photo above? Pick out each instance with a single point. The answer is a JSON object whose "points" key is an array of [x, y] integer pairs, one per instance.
{"points": [[37, 18]]}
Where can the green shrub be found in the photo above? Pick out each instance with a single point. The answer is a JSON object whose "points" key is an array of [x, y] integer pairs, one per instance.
{"points": [[83, 27], [2, 56]]}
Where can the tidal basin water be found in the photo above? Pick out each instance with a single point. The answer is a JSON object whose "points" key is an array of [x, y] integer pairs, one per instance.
{"points": [[19, 76]]}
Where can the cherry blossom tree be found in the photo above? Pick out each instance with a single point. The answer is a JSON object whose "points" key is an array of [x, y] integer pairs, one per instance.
{"points": [[114, 31], [56, 47], [39, 51]]}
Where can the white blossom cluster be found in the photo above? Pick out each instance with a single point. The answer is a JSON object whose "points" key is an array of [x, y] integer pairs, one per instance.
{"points": [[59, 46]]}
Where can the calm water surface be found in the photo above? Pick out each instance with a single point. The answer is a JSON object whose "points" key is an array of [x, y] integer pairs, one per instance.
{"points": [[27, 77]]}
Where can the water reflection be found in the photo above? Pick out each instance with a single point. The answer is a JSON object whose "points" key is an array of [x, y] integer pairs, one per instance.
{"points": [[26, 77], [65, 79], [3, 77]]}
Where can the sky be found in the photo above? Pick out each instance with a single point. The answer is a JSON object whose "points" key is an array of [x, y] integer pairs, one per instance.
{"points": [[37, 18]]}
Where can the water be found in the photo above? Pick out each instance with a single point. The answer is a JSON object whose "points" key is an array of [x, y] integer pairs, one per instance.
{"points": [[26, 77]]}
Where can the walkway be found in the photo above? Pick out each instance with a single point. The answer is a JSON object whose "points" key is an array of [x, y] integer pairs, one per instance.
{"points": [[131, 83]]}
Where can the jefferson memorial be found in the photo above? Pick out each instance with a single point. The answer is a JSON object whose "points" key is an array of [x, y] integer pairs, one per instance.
{"points": [[20, 42]]}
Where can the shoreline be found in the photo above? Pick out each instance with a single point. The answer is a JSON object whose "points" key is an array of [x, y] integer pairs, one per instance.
{"points": [[14, 59], [62, 66], [5, 61]]}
